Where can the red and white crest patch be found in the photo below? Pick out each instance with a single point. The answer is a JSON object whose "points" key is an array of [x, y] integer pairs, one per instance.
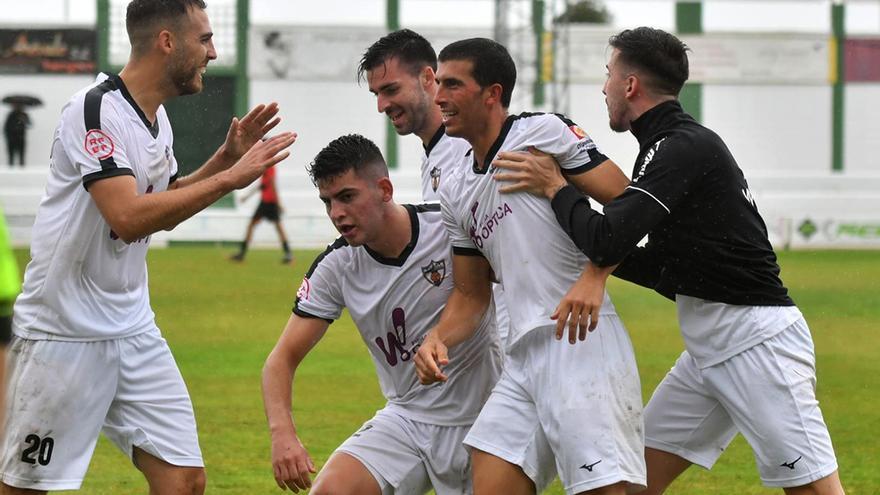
{"points": [[577, 131], [99, 144], [304, 289]]}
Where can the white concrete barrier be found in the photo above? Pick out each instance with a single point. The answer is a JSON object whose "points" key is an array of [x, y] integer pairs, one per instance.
{"points": [[801, 211]]}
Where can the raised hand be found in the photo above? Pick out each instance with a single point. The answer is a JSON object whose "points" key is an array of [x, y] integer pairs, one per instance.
{"points": [[534, 172], [250, 129], [262, 155]]}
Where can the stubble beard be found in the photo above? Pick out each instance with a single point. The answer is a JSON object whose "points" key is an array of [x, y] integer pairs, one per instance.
{"points": [[184, 78]]}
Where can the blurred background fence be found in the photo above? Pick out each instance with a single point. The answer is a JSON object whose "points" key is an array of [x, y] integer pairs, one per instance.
{"points": [[793, 87]]}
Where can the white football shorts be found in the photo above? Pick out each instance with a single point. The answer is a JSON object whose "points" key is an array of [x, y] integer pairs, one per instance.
{"points": [[584, 400], [61, 394], [768, 393], [408, 457]]}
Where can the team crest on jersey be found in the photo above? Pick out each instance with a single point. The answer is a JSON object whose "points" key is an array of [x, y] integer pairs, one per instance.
{"points": [[98, 144], [435, 178], [577, 131], [435, 272], [304, 289]]}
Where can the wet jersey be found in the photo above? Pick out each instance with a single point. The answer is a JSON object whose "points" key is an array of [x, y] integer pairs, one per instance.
{"points": [[532, 257], [83, 281], [394, 302]]}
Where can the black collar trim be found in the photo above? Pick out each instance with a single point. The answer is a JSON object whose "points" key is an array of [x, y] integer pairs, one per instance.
{"points": [[493, 150], [658, 117], [414, 238], [435, 139], [152, 127]]}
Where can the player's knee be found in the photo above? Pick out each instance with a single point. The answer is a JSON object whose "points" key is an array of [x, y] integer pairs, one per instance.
{"points": [[195, 482], [332, 485], [615, 489]]}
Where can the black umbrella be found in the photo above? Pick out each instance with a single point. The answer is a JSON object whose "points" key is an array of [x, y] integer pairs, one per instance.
{"points": [[23, 100]]}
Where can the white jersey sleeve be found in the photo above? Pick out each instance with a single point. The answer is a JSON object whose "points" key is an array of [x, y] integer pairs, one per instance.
{"points": [[320, 294], [455, 228], [94, 136], [566, 141]]}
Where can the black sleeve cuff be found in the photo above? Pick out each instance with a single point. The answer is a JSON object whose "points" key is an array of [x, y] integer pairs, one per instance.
{"points": [[173, 179], [579, 169], [596, 159], [463, 251], [105, 174], [301, 313]]}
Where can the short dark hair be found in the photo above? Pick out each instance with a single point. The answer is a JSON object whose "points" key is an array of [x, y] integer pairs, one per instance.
{"points": [[662, 56], [492, 63], [141, 18], [410, 48], [349, 152]]}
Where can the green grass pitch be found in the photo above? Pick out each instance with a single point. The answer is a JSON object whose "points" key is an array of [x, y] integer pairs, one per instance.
{"points": [[222, 319]]}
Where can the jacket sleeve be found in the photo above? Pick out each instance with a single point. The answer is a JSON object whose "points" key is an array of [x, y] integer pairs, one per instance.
{"points": [[664, 181]]}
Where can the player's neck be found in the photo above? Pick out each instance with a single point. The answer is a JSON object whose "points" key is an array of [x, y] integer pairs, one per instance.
{"points": [[147, 90], [432, 123], [483, 141], [397, 234]]}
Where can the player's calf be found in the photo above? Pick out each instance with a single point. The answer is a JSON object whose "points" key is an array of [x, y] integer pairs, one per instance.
{"points": [[829, 485]]}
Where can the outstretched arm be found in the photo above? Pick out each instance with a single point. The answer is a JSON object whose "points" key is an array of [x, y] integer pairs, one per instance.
{"points": [[242, 136], [133, 216], [464, 310], [290, 460], [606, 238]]}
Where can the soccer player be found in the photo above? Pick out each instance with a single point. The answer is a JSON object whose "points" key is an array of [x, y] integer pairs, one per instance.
{"points": [[391, 269], [87, 354], [584, 398], [749, 363], [270, 209], [400, 70]]}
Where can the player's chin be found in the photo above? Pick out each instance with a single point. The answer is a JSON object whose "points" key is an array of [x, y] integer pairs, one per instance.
{"points": [[453, 130]]}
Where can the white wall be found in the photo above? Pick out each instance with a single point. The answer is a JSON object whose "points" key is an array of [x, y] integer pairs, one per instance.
{"points": [[54, 90], [862, 128], [772, 129]]}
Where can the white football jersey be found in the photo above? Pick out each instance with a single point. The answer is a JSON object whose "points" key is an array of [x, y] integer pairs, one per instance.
{"points": [[441, 153], [83, 281], [394, 302], [532, 257]]}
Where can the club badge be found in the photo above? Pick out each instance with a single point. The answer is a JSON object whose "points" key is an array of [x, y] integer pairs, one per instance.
{"points": [[435, 272], [435, 178]]}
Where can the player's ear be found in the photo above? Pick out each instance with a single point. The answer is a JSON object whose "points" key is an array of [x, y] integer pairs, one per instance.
{"points": [[428, 77], [386, 188], [165, 41], [633, 85], [493, 94]]}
